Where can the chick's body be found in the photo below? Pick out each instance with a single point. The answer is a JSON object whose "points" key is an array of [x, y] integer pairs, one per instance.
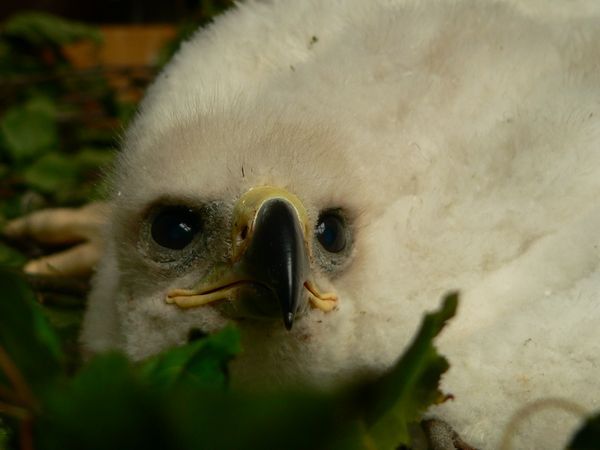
{"points": [[462, 141]]}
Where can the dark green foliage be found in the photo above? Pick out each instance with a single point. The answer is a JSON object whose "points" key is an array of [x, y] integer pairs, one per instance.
{"points": [[53, 116], [26, 337], [412, 386], [104, 406], [202, 363], [180, 400], [29, 130], [39, 28], [588, 437]]}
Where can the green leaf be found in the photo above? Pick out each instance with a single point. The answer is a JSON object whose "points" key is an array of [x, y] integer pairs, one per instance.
{"points": [[588, 437], [52, 172], [401, 397], [27, 132], [41, 28], [25, 334], [269, 420], [203, 363], [104, 406]]}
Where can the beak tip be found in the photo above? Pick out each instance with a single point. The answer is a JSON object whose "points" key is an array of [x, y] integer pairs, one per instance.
{"points": [[288, 320]]}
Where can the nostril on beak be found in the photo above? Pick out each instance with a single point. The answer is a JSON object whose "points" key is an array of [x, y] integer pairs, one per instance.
{"points": [[244, 233], [195, 334]]}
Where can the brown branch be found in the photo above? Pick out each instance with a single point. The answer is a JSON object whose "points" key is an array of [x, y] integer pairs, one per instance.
{"points": [[15, 377], [26, 434], [14, 411]]}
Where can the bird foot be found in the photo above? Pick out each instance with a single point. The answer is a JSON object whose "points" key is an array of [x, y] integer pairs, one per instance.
{"points": [[81, 228]]}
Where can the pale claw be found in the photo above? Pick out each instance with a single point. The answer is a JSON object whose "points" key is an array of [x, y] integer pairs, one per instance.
{"points": [[81, 227]]}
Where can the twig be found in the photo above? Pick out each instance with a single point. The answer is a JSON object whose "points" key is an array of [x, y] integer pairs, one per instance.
{"points": [[16, 379], [26, 434], [14, 411]]}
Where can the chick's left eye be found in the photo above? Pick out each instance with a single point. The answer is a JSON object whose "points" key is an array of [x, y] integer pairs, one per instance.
{"points": [[175, 227], [331, 232]]}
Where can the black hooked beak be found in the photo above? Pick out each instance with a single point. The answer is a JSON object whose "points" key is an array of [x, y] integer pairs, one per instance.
{"points": [[268, 274], [277, 256]]}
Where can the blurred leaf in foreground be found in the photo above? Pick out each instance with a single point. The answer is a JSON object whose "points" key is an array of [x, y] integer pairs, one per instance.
{"points": [[177, 399], [104, 406], [588, 437], [401, 397], [28, 132], [52, 173], [202, 363], [26, 339]]}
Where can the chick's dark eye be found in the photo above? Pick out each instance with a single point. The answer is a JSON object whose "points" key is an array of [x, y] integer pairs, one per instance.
{"points": [[174, 227], [331, 232]]}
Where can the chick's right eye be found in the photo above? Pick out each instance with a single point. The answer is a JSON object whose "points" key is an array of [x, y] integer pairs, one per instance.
{"points": [[175, 227]]}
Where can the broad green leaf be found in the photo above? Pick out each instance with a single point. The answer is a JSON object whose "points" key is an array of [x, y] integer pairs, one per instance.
{"points": [[25, 334], [105, 406], [401, 397], [269, 420], [588, 437], [108, 405], [52, 172], [40, 28], [201, 363], [28, 132]]}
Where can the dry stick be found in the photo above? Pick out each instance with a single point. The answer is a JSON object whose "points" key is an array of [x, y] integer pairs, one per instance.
{"points": [[534, 407], [14, 411], [24, 393], [26, 434], [16, 379]]}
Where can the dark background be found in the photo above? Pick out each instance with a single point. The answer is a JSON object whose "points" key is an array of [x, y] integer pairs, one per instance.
{"points": [[107, 11]]}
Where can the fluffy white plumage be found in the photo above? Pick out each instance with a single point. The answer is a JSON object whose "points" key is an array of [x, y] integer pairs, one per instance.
{"points": [[462, 138]]}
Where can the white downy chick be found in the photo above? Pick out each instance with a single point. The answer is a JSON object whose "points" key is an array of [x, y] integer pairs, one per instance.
{"points": [[400, 149]]}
